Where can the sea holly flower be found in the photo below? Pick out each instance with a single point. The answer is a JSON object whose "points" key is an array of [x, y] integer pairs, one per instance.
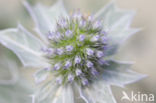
{"points": [[81, 47]]}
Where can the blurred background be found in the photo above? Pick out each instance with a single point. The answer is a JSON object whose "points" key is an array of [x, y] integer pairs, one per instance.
{"points": [[140, 48]]}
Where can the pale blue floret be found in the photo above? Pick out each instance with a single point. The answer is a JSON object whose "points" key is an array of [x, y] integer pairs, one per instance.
{"points": [[94, 71], [99, 54], [77, 15], [85, 81], [69, 48], [50, 51], [51, 36], [78, 72], [57, 36], [77, 60], [62, 23], [89, 51], [60, 51], [89, 64], [82, 23], [68, 64], [68, 33], [57, 66], [95, 38], [101, 61], [97, 24], [70, 77], [82, 37]]}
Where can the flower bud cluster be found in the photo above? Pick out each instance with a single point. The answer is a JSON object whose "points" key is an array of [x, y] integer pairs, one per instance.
{"points": [[77, 48]]}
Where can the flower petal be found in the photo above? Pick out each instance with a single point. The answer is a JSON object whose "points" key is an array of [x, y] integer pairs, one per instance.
{"points": [[64, 95], [51, 92], [46, 92], [8, 67], [119, 74], [117, 24], [99, 92], [68, 92], [102, 13], [82, 94], [16, 93], [41, 75], [117, 38], [8, 72], [115, 17], [24, 45], [45, 17], [12, 88]]}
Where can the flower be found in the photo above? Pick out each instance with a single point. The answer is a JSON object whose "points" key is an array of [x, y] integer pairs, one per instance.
{"points": [[74, 57]]}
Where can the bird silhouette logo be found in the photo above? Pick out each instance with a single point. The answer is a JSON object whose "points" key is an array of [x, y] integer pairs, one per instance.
{"points": [[125, 96]]}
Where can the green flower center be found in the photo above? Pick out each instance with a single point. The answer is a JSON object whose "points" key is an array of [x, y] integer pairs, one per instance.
{"points": [[76, 49]]}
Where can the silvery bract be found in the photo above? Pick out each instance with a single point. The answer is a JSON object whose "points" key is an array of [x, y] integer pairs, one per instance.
{"points": [[74, 53], [12, 88]]}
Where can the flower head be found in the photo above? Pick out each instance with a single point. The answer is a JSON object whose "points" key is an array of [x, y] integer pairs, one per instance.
{"points": [[76, 53], [82, 43]]}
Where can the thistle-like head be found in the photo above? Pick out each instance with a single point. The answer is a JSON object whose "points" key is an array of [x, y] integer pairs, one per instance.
{"points": [[75, 48]]}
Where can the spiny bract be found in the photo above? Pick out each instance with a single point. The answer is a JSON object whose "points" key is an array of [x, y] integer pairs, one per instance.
{"points": [[77, 49]]}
